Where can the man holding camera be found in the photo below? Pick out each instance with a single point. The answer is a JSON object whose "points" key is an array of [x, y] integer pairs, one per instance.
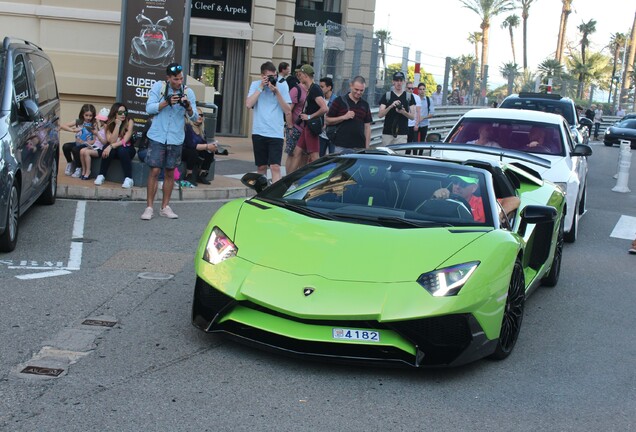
{"points": [[169, 102], [398, 107], [270, 101]]}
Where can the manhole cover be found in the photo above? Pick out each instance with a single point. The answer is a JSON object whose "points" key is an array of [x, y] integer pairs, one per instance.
{"points": [[155, 275], [99, 323], [39, 370]]}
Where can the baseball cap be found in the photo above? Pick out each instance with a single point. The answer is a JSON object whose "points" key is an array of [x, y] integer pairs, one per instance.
{"points": [[398, 76], [307, 69], [102, 115], [464, 179]]}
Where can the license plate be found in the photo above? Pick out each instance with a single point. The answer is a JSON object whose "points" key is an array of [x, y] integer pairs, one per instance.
{"points": [[355, 334]]}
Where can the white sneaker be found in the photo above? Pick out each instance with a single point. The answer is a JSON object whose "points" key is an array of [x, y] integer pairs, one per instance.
{"points": [[128, 183], [147, 214], [160, 185], [168, 213], [77, 173], [69, 168], [99, 180]]}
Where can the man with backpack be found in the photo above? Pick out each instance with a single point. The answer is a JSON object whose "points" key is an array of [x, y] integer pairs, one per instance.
{"points": [[349, 119], [398, 107], [426, 112]]}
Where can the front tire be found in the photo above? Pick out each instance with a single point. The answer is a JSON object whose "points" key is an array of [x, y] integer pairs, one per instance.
{"points": [[9, 238], [513, 314]]}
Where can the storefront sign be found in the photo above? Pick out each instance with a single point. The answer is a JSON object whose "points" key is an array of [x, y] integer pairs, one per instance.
{"points": [[228, 10], [152, 38], [307, 20]]}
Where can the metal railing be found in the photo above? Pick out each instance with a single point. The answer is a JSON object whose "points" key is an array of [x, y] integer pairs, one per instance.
{"points": [[442, 122]]}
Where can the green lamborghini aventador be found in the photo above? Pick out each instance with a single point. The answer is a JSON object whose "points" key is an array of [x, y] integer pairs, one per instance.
{"points": [[382, 257]]}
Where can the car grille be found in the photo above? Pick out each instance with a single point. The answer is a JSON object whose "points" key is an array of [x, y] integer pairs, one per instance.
{"points": [[440, 340]]}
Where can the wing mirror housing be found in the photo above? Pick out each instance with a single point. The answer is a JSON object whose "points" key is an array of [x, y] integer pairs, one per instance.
{"points": [[255, 181], [582, 150]]}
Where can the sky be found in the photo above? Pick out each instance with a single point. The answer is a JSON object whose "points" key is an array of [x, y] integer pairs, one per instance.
{"points": [[440, 28]]}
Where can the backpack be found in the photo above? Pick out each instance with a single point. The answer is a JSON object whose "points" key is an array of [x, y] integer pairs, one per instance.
{"points": [[332, 130]]}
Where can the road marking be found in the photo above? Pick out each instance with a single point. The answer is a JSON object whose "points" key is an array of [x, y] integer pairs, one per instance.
{"points": [[43, 275], [75, 254], [625, 228]]}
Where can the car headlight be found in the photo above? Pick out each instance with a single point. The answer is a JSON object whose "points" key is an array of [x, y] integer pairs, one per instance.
{"points": [[219, 247], [608, 132], [563, 187], [447, 281]]}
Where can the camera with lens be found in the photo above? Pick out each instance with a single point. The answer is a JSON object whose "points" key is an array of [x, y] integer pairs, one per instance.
{"points": [[398, 105], [272, 80], [183, 102]]}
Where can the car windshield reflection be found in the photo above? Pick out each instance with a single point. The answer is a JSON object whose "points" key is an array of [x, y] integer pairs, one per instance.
{"points": [[395, 192]]}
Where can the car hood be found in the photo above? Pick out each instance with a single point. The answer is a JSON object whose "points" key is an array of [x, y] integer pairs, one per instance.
{"points": [[622, 131], [281, 239]]}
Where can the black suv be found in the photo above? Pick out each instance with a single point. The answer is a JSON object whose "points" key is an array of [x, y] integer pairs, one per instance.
{"points": [[29, 141], [553, 103]]}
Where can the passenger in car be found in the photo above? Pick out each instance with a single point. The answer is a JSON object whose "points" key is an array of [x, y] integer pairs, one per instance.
{"points": [[485, 137], [537, 140]]}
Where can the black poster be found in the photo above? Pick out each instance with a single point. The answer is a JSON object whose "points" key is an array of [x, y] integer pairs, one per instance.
{"points": [[152, 32], [306, 20], [228, 10]]}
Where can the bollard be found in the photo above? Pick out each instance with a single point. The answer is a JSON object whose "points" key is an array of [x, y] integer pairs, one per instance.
{"points": [[625, 161]]}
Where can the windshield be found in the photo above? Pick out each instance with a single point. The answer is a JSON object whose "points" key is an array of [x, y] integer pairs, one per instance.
{"points": [[540, 138], [394, 192], [627, 124], [564, 108]]}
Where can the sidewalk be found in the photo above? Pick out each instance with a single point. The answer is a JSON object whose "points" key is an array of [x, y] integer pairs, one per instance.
{"points": [[222, 187]]}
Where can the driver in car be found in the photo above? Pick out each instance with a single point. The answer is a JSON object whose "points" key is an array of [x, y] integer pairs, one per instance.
{"points": [[466, 187]]}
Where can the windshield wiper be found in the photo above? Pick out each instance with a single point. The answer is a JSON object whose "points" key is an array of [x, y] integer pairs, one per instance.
{"points": [[297, 208], [392, 220]]}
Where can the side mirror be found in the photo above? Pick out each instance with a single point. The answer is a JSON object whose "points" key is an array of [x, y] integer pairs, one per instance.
{"points": [[582, 150], [536, 214], [31, 109], [255, 181], [586, 122]]}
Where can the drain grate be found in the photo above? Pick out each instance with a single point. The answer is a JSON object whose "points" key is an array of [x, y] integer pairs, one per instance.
{"points": [[44, 371], [99, 323]]}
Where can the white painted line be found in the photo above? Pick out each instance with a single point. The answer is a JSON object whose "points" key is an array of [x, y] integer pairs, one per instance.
{"points": [[625, 228], [43, 275], [75, 255]]}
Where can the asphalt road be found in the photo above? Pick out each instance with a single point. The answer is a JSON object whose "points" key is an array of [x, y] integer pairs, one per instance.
{"points": [[572, 368]]}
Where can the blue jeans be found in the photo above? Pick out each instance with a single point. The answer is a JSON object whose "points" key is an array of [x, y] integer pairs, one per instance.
{"points": [[324, 145], [142, 157], [596, 126]]}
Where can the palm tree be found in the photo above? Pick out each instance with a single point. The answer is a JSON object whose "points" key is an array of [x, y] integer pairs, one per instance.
{"points": [[550, 68], [595, 70], [510, 72], [385, 38], [511, 22], [487, 9], [586, 30], [565, 12], [629, 65], [525, 12], [475, 38], [617, 42]]}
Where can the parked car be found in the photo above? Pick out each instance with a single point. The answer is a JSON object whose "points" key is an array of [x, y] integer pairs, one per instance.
{"points": [[513, 129], [29, 121], [351, 259], [624, 129], [579, 126]]}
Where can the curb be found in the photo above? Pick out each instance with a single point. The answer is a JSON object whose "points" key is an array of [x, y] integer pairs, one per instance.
{"points": [[139, 194]]}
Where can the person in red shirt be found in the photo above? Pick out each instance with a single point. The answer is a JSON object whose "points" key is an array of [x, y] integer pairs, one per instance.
{"points": [[466, 188]]}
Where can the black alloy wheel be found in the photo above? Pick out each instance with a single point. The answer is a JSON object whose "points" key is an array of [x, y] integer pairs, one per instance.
{"points": [[513, 314], [552, 278]]}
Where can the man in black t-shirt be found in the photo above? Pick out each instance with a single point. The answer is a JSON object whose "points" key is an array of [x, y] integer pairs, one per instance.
{"points": [[315, 107], [398, 108], [352, 115]]}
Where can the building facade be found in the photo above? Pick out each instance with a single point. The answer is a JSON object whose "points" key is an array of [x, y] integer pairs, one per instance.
{"points": [[228, 42]]}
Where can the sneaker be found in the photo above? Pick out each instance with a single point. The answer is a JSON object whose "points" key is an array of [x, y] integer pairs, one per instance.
{"points": [[77, 173], [168, 213], [128, 183], [160, 185], [69, 168], [147, 214], [99, 180]]}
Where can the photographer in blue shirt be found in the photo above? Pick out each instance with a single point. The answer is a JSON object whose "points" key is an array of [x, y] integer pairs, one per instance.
{"points": [[169, 102]]}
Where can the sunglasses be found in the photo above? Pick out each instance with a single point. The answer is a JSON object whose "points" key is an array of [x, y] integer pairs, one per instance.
{"points": [[122, 112], [409, 88], [176, 69]]}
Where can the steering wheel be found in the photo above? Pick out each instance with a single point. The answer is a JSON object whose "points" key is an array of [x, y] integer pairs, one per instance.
{"points": [[461, 200]]}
